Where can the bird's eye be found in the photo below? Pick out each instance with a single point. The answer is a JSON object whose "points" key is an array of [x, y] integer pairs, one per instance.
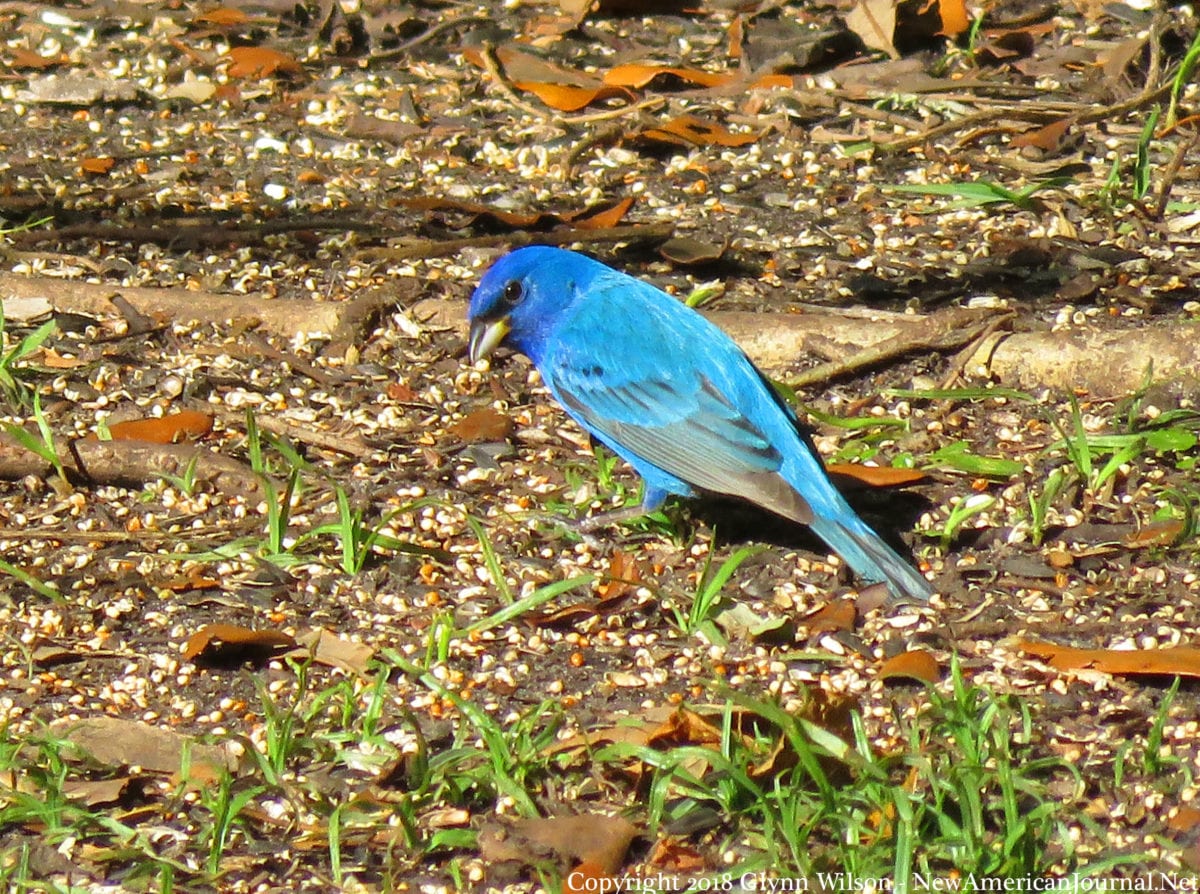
{"points": [[513, 292]]}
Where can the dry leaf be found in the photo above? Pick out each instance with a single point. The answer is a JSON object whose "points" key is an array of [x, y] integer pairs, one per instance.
{"points": [[117, 742], [222, 17], [915, 665], [1048, 138], [331, 650], [637, 75], [22, 58], [1164, 532], [595, 840], [482, 425], [230, 643], [874, 21], [876, 476], [834, 617], [568, 98], [96, 166], [688, 130], [186, 425], [260, 62], [1181, 661]]}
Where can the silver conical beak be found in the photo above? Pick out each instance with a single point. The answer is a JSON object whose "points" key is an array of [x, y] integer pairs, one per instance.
{"points": [[485, 337]]}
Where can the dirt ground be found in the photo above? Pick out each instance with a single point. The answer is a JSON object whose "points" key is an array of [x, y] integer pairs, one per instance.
{"points": [[256, 210]]}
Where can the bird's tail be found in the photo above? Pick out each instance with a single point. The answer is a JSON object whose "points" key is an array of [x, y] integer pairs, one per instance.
{"points": [[871, 558]]}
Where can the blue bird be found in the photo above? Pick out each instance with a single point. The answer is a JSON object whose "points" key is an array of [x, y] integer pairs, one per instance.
{"points": [[671, 394]]}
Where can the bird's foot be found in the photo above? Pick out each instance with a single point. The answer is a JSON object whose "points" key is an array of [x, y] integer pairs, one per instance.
{"points": [[611, 517]]}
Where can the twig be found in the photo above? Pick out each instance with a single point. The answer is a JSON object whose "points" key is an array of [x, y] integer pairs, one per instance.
{"points": [[1032, 114], [1171, 173], [428, 248], [959, 360], [427, 34], [944, 330], [491, 64]]}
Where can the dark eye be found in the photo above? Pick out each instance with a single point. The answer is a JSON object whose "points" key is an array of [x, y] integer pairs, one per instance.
{"points": [[513, 292]]}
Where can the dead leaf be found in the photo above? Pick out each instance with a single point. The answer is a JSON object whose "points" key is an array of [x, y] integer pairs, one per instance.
{"points": [[874, 22], [568, 98], [51, 359], [1181, 661], [1048, 138], [186, 425], [685, 251], [953, 15], [482, 425], [833, 617], [260, 62], [222, 17], [595, 839], [232, 644], [96, 166], [604, 214], [23, 58], [1164, 532], [688, 130], [331, 650], [117, 742], [97, 792], [876, 476], [638, 76], [916, 664]]}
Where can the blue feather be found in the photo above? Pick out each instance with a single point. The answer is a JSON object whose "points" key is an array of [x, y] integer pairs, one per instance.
{"points": [[671, 394]]}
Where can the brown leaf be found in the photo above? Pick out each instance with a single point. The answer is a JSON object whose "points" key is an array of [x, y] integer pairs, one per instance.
{"points": [[96, 165], [682, 728], [953, 15], [688, 130], [599, 217], [260, 62], [117, 742], [22, 58], [1174, 661], [230, 643], [596, 840], [624, 574], [566, 97], [51, 359], [914, 665], [186, 425], [222, 17], [331, 650], [486, 424], [1164, 532], [1048, 138], [876, 476], [401, 392], [638, 75], [97, 792], [833, 617], [874, 21]]}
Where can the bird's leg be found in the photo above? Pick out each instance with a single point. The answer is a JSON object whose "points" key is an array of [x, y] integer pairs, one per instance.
{"points": [[652, 499]]}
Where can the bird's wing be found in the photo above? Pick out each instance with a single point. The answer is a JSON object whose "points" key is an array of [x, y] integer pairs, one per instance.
{"points": [[673, 390]]}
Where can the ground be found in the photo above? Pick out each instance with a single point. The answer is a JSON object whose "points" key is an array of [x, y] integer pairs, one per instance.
{"points": [[331, 627]]}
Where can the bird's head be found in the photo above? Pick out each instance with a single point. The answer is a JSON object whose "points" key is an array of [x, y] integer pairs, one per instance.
{"points": [[521, 296]]}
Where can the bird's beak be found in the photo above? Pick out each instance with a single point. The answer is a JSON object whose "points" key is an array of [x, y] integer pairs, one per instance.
{"points": [[486, 336]]}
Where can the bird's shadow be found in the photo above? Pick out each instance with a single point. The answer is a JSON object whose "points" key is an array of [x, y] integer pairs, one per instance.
{"points": [[736, 521]]}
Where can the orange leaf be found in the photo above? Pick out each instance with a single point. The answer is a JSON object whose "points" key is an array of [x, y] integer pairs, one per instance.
{"points": [[637, 75], [688, 130], [567, 98], [833, 617], [876, 476], [211, 639], [97, 165], [1176, 661], [260, 62], [223, 17], [604, 217], [1046, 138], [1157, 533], [22, 58], [483, 425], [954, 16], [182, 426], [914, 665]]}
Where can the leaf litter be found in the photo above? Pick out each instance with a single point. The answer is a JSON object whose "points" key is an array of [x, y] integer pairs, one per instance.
{"points": [[226, 156]]}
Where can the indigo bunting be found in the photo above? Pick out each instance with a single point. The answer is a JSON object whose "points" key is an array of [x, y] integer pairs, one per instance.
{"points": [[671, 394]]}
